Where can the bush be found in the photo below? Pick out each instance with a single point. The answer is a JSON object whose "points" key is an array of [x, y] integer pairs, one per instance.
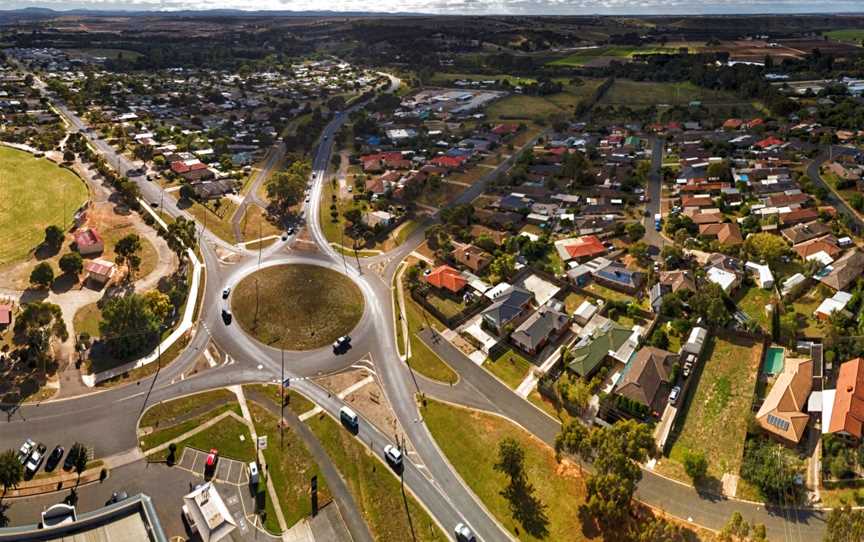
{"points": [[695, 465]]}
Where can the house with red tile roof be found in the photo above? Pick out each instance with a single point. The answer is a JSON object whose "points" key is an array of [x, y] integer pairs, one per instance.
{"points": [[99, 270], [754, 123], [505, 129], [445, 277], [847, 415], [580, 248], [797, 216], [783, 413], [733, 124], [727, 233], [89, 242], [449, 162], [769, 141], [699, 200]]}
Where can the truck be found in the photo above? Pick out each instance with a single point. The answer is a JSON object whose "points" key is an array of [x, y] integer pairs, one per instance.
{"points": [[657, 218]]}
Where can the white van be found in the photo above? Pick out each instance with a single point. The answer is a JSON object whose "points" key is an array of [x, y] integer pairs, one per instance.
{"points": [[253, 473], [349, 418]]}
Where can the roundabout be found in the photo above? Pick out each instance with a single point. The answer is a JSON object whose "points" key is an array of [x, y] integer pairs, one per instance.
{"points": [[297, 306]]}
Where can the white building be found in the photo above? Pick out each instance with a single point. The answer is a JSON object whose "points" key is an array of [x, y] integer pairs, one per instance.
{"points": [[764, 278], [208, 514]]}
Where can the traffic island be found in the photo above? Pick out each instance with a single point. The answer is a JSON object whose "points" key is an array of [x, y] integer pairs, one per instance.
{"points": [[297, 307]]}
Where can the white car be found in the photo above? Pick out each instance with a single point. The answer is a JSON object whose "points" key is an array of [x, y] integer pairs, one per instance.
{"points": [[464, 534], [25, 450], [36, 459], [393, 455]]}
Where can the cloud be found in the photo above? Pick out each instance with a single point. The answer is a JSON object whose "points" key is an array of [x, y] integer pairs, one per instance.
{"points": [[472, 7]]}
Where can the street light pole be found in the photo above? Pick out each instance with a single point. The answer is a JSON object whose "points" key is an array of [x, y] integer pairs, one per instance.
{"points": [[282, 403]]}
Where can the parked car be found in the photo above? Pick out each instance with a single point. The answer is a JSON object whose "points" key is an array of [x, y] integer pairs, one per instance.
{"points": [[54, 458], [212, 459], [36, 459], [393, 456], [674, 394], [71, 458], [464, 534], [25, 450]]}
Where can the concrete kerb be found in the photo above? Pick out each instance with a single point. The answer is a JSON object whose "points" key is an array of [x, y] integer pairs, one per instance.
{"points": [[185, 325]]}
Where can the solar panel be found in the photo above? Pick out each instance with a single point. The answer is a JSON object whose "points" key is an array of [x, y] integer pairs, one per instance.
{"points": [[780, 423]]}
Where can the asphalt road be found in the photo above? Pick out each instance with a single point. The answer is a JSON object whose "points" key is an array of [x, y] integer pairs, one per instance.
{"points": [[813, 171]]}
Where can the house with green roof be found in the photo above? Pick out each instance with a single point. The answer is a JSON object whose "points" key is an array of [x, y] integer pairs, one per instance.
{"points": [[606, 340]]}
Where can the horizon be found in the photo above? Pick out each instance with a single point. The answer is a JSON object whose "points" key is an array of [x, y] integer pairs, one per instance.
{"points": [[463, 7]]}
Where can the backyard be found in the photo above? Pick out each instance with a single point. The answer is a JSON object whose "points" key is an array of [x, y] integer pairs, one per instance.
{"points": [[715, 416], [753, 300], [805, 307]]}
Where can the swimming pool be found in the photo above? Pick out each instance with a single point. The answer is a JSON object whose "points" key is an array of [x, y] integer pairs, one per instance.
{"points": [[774, 360]]}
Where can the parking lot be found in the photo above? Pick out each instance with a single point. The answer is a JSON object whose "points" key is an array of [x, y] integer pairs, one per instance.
{"points": [[229, 471]]}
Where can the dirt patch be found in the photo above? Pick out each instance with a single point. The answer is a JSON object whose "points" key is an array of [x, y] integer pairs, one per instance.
{"points": [[335, 383]]}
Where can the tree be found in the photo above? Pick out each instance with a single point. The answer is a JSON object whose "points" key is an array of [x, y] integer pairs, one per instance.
{"points": [[127, 250], [768, 247], [511, 459], [708, 302], [285, 188], [129, 325], [639, 251], [181, 235], [35, 325], [159, 304], [659, 339], [42, 275], [524, 505], [186, 192], [635, 231], [695, 465], [71, 263], [353, 215], [503, 266], [574, 439], [737, 529], [80, 459], [771, 469], [11, 470], [53, 237], [845, 525]]}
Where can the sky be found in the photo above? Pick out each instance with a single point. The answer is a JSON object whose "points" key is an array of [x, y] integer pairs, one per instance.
{"points": [[471, 7]]}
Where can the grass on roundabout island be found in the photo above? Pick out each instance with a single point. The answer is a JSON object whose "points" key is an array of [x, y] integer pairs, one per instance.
{"points": [[297, 307]]}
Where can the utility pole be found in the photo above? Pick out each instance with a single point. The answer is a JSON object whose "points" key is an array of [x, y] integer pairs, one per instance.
{"points": [[282, 403]]}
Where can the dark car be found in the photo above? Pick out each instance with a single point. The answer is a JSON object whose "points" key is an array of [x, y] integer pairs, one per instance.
{"points": [[116, 497], [226, 317], [54, 459], [71, 457]]}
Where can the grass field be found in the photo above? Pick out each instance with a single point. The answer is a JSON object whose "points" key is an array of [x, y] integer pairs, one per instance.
{"points": [[805, 307], [616, 52], [636, 93], [441, 78], [530, 108], [390, 514], [290, 466], [255, 224], [218, 220], [608, 293], [847, 35], [299, 307], [166, 413], [715, 417], [511, 367], [470, 440], [34, 194], [170, 432]]}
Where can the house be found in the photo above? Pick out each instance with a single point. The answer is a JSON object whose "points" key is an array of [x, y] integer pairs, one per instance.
{"points": [[580, 248], [507, 308], [733, 124], [445, 277], [497, 237], [547, 323], [844, 271], [99, 270], [798, 216], [847, 414], [726, 233], [601, 342], [678, 280], [827, 244], [212, 189], [830, 305], [724, 271], [88, 241], [764, 277], [655, 296], [646, 378], [781, 414], [5, 315], [799, 233], [618, 277], [474, 258], [378, 218]]}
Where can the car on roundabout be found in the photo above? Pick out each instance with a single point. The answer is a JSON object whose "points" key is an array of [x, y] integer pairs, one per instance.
{"points": [[342, 344]]}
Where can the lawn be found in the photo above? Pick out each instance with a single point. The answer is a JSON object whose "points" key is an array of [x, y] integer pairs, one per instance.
{"points": [[255, 224], [296, 402], [805, 306], [510, 367], [168, 413], [470, 441], [87, 320], [548, 407], [635, 93], [404, 231], [618, 52], [715, 416], [447, 306], [297, 307], [230, 436], [390, 514], [217, 220], [752, 300], [171, 432], [290, 467], [529, 108], [608, 293], [113, 233], [34, 194], [572, 302], [423, 360]]}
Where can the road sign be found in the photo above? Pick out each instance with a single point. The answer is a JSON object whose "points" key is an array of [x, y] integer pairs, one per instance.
{"points": [[262, 442]]}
